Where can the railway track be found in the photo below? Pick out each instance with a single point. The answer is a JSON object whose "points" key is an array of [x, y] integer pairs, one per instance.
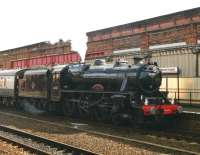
{"points": [[37, 144], [136, 142]]}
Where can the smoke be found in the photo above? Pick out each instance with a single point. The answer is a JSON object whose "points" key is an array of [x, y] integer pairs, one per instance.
{"points": [[30, 108]]}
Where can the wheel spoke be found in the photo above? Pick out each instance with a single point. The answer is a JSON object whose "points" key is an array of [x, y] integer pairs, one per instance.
{"points": [[69, 108]]}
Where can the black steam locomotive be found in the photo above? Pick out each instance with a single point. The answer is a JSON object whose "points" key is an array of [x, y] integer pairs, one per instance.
{"points": [[101, 91]]}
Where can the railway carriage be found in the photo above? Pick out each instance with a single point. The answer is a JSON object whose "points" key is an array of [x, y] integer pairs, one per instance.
{"points": [[34, 87], [9, 86]]}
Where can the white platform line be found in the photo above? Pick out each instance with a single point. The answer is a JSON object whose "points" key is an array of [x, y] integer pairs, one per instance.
{"points": [[191, 112]]}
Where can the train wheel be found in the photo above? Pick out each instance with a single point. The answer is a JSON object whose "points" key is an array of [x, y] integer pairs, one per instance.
{"points": [[1, 102], [51, 107], [83, 109], [100, 115], [116, 120], [20, 104], [83, 113], [4, 102], [139, 118], [69, 108], [133, 121]]}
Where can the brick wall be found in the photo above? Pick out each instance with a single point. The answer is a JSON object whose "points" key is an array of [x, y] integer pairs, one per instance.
{"points": [[29, 51], [182, 26]]}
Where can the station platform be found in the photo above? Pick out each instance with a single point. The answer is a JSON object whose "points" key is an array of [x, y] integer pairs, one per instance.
{"points": [[191, 109]]}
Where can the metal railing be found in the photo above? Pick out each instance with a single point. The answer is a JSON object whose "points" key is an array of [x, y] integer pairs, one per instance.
{"points": [[186, 97]]}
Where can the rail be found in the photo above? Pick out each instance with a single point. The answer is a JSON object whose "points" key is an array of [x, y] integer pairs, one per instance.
{"points": [[136, 142], [38, 144]]}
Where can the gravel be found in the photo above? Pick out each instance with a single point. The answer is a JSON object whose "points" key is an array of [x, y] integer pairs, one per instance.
{"points": [[81, 139], [9, 149]]}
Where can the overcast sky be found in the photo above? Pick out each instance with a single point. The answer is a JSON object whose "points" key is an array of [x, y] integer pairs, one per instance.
{"points": [[26, 22]]}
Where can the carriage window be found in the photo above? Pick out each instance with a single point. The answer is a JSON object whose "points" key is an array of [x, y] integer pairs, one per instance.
{"points": [[54, 77], [57, 76]]}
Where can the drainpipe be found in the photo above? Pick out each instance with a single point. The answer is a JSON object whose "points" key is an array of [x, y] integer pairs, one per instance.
{"points": [[196, 52], [197, 64]]}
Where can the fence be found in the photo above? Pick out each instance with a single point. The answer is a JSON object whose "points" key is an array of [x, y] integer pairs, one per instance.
{"points": [[184, 90], [190, 98]]}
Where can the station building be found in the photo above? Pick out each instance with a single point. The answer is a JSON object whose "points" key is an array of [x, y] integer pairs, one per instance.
{"points": [[172, 40], [39, 54]]}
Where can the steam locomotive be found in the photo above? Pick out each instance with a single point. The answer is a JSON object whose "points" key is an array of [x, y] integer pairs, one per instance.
{"points": [[104, 92]]}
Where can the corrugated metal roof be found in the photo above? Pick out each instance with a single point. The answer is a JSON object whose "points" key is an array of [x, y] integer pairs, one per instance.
{"points": [[10, 72], [36, 72]]}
